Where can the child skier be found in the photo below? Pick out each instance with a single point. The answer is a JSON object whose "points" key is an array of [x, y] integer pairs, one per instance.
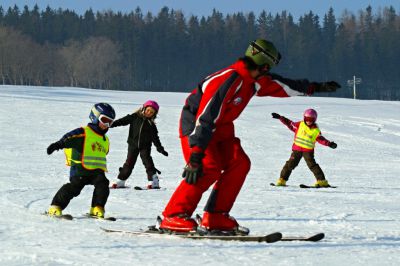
{"points": [[306, 134], [142, 133], [86, 149]]}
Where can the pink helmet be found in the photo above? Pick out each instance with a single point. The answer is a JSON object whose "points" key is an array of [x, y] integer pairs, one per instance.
{"points": [[310, 115], [153, 104]]}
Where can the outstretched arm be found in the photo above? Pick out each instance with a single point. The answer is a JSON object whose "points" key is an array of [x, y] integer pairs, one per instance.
{"points": [[287, 122], [126, 120], [277, 86], [322, 140], [67, 141]]}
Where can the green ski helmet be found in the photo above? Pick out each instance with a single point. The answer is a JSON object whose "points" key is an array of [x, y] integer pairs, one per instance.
{"points": [[263, 52]]}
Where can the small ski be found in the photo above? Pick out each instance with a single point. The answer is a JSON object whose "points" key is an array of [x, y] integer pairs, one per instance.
{"points": [[306, 186], [109, 218], [274, 185], [268, 238], [146, 188], [61, 217], [120, 187]]}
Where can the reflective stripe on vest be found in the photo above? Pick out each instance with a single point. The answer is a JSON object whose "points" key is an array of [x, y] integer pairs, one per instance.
{"points": [[305, 136], [94, 153]]}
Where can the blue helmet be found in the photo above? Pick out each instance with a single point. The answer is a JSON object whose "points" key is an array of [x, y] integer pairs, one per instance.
{"points": [[101, 109]]}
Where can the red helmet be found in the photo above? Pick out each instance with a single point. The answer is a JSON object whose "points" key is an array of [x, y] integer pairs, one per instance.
{"points": [[153, 104], [310, 115]]}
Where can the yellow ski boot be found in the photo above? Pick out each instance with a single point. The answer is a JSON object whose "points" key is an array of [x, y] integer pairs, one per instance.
{"points": [[322, 183], [54, 210], [281, 182], [97, 212]]}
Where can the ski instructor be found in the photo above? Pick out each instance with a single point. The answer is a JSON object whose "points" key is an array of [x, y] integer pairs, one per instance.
{"points": [[212, 151]]}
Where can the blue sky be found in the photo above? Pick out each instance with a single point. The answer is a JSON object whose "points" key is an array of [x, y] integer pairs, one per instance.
{"points": [[205, 7]]}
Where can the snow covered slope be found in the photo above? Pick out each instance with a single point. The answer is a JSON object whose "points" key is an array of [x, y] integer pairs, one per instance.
{"points": [[361, 218]]}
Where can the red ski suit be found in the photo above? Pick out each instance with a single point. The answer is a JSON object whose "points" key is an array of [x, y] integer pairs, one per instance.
{"points": [[206, 125]]}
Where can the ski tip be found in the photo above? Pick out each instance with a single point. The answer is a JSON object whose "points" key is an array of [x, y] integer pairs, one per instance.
{"points": [[105, 229], [316, 237], [274, 237], [313, 238]]}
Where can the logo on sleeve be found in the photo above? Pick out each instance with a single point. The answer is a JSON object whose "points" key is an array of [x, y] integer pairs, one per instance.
{"points": [[237, 101]]}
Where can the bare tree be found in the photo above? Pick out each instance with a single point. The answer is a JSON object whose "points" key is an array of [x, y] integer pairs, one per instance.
{"points": [[98, 62], [93, 63]]}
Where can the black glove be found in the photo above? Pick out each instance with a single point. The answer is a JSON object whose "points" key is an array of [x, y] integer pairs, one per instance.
{"points": [[275, 115], [162, 151], [332, 145], [329, 86], [55, 147], [194, 169]]}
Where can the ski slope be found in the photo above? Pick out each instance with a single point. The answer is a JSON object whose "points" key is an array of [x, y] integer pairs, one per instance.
{"points": [[361, 218]]}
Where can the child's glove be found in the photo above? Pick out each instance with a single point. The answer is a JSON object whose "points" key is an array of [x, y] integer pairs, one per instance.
{"points": [[332, 145], [194, 168], [55, 147], [162, 151], [275, 115]]}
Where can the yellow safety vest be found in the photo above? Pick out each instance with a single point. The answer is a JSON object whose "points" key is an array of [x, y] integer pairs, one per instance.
{"points": [[94, 153], [305, 136]]}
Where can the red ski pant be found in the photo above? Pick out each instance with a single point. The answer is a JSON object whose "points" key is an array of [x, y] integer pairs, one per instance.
{"points": [[225, 165]]}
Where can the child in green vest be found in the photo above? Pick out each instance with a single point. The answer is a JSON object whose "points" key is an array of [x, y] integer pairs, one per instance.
{"points": [[86, 149], [306, 134]]}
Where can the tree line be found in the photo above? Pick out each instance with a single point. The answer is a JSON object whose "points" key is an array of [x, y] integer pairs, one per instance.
{"points": [[171, 52]]}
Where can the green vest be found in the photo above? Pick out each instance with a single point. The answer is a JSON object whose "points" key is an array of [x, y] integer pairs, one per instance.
{"points": [[94, 152], [305, 136]]}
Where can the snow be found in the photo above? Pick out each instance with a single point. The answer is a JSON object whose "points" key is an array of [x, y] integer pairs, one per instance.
{"points": [[361, 218]]}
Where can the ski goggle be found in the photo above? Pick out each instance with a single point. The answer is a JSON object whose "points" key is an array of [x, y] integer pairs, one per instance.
{"points": [[105, 120], [256, 49], [309, 119]]}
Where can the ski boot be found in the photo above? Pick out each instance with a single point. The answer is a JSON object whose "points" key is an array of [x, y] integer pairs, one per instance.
{"points": [[154, 183], [181, 223], [54, 210], [220, 224], [118, 184], [97, 211], [281, 182], [321, 183]]}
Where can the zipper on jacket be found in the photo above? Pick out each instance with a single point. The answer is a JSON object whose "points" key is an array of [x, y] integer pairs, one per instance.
{"points": [[140, 133]]}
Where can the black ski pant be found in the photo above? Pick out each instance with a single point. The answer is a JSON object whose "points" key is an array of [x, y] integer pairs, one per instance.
{"points": [[294, 160], [145, 154], [75, 186]]}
